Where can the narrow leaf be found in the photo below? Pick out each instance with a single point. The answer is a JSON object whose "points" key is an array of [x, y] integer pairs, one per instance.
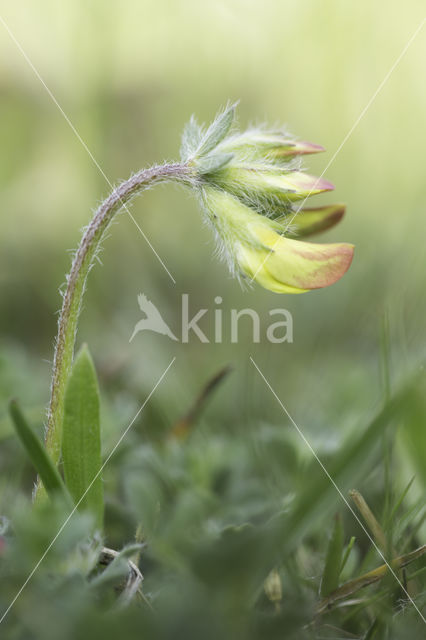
{"points": [[400, 500], [333, 561], [34, 414], [369, 519], [347, 552], [217, 130], [38, 455], [81, 440]]}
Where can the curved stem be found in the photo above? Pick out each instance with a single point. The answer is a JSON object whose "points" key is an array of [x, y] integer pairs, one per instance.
{"points": [[76, 282]]}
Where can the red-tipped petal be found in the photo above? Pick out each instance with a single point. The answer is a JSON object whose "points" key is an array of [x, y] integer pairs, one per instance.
{"points": [[304, 265], [296, 148], [310, 221], [303, 185], [309, 266]]}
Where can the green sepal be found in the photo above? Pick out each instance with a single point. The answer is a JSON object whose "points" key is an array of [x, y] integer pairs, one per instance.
{"points": [[191, 139], [213, 162], [217, 130]]}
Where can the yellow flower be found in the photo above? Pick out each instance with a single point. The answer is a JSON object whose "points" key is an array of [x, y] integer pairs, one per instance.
{"points": [[249, 184], [256, 249]]}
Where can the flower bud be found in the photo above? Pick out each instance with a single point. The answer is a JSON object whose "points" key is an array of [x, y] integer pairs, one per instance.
{"points": [[273, 146], [254, 184]]}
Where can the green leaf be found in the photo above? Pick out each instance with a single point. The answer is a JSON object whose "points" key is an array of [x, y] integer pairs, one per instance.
{"points": [[81, 439], [191, 138], [347, 552], [217, 130], [333, 560], [213, 162], [400, 500], [34, 414], [38, 455]]}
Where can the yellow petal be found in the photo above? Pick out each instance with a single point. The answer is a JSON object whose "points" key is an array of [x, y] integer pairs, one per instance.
{"points": [[303, 265], [252, 262]]}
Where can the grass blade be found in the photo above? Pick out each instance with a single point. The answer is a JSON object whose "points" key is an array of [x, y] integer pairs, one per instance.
{"points": [[371, 577], [38, 455], [347, 552], [333, 560], [81, 439], [369, 519], [400, 500]]}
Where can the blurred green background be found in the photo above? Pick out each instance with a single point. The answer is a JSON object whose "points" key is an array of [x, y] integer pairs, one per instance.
{"points": [[129, 75]]}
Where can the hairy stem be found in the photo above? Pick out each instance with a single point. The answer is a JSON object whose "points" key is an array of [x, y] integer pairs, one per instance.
{"points": [[76, 282]]}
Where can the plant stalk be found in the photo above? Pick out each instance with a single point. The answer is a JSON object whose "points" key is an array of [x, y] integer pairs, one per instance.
{"points": [[76, 283]]}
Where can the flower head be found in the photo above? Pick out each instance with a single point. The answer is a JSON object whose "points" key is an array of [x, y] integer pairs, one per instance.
{"points": [[250, 184]]}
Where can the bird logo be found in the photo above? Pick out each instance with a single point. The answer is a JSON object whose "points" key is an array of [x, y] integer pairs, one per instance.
{"points": [[153, 320]]}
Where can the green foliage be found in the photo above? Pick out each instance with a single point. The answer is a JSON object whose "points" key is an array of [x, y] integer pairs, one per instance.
{"points": [[333, 560], [37, 454], [217, 519], [347, 552], [317, 495], [81, 438]]}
